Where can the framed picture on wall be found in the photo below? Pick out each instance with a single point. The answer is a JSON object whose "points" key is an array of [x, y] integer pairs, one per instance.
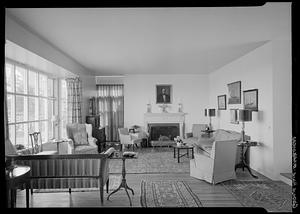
{"points": [[234, 90], [251, 99], [163, 94], [234, 116], [222, 102]]}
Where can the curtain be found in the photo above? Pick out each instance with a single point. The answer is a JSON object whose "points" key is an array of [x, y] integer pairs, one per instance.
{"points": [[74, 100], [110, 99]]}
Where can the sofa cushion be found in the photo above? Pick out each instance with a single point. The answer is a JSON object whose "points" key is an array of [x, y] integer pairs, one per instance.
{"points": [[224, 135]]}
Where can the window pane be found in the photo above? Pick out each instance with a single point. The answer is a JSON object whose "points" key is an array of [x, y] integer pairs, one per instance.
{"points": [[12, 134], [50, 129], [50, 115], [20, 80], [50, 87], [33, 127], [32, 83], [22, 134], [43, 109], [21, 102], [9, 77], [33, 108], [42, 85], [11, 108], [44, 131]]}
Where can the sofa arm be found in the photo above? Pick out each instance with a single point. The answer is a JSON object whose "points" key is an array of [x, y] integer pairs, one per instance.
{"points": [[189, 134]]}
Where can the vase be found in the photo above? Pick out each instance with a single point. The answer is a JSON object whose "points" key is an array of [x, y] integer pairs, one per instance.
{"points": [[179, 144]]}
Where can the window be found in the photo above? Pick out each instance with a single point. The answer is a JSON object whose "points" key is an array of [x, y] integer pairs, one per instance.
{"points": [[30, 103], [63, 107]]}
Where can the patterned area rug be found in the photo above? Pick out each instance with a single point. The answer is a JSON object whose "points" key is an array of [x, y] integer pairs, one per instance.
{"points": [[167, 194], [273, 196], [114, 182], [152, 160]]}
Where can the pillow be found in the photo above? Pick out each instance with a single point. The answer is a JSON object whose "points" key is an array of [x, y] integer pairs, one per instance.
{"points": [[80, 137]]}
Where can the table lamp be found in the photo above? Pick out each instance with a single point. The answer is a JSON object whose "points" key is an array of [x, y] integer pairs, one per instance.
{"points": [[211, 113], [244, 116]]}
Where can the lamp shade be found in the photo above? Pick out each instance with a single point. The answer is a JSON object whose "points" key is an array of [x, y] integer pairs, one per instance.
{"points": [[211, 112], [245, 115]]}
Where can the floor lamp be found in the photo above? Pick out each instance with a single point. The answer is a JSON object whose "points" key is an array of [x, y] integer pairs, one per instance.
{"points": [[244, 116]]}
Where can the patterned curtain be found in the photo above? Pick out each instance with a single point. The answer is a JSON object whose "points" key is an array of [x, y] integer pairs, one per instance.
{"points": [[74, 100], [110, 100]]}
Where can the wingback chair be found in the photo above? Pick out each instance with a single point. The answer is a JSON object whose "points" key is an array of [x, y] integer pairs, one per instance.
{"points": [[128, 139], [80, 139]]}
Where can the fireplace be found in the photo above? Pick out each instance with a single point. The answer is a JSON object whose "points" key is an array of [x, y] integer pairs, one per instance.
{"points": [[163, 131], [166, 119]]}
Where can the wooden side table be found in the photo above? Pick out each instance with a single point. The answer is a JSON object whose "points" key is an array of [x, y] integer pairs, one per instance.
{"points": [[16, 177], [178, 148], [244, 148], [119, 155]]}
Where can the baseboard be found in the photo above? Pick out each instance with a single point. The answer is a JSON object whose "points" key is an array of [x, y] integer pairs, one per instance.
{"points": [[286, 179]]}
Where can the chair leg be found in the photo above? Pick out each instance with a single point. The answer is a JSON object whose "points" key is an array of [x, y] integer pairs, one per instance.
{"points": [[69, 190], [107, 185], [31, 191], [101, 193]]}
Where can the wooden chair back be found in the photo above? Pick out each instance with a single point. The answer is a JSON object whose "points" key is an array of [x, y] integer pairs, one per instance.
{"points": [[36, 142]]}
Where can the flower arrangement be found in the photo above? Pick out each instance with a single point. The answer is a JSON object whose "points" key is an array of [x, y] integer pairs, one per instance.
{"points": [[179, 141]]}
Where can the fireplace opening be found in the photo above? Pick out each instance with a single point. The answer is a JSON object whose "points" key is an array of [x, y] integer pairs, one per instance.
{"points": [[163, 131]]}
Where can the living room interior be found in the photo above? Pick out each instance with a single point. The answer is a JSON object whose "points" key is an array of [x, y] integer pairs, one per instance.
{"points": [[69, 67]]}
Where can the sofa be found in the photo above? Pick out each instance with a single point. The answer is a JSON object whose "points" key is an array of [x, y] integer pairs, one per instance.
{"points": [[63, 171], [202, 140], [215, 155]]}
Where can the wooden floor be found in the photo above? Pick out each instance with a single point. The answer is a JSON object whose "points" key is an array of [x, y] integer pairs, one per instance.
{"points": [[210, 195]]}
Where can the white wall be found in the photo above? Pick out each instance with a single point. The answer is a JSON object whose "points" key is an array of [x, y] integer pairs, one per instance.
{"points": [[282, 105], [269, 72], [254, 70], [190, 90]]}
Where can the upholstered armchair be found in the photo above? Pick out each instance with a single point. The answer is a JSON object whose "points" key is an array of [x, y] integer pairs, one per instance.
{"points": [[80, 139], [129, 139], [215, 163]]}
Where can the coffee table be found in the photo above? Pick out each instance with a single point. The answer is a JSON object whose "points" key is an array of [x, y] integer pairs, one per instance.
{"points": [[119, 155], [184, 147]]}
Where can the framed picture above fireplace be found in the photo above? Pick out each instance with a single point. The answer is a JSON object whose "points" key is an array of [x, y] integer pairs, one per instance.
{"points": [[163, 94]]}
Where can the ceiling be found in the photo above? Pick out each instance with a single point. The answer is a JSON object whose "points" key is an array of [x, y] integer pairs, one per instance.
{"points": [[120, 41]]}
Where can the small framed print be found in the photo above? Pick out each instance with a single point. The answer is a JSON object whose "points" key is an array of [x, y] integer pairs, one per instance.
{"points": [[234, 116], [251, 99], [222, 102], [234, 90]]}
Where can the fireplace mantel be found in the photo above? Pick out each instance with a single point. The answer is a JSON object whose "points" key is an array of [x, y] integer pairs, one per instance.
{"points": [[165, 118]]}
